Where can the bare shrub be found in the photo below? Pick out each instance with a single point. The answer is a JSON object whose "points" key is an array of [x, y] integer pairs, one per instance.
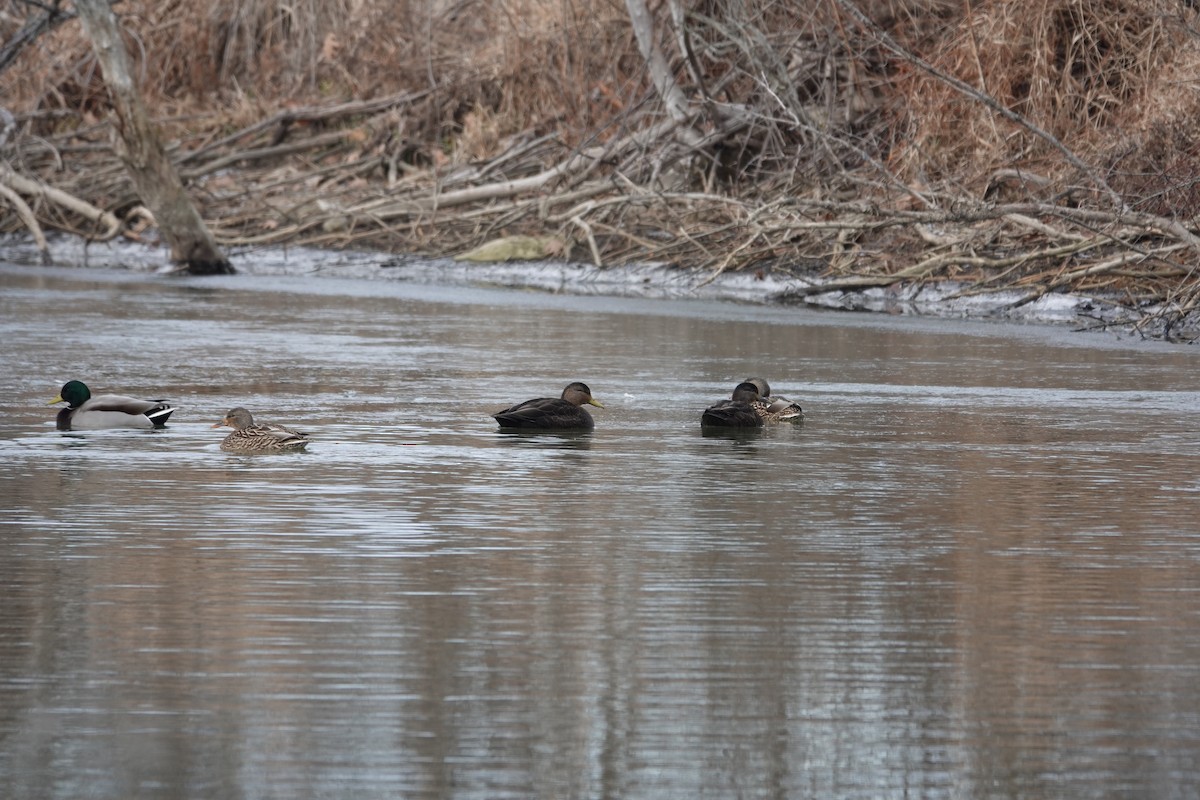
{"points": [[1071, 67]]}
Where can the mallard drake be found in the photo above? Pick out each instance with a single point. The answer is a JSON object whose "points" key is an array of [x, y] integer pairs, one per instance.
{"points": [[106, 411], [774, 409], [258, 437], [737, 412], [552, 413]]}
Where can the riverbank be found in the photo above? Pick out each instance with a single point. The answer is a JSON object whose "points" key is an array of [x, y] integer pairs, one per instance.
{"points": [[949, 300], [834, 154]]}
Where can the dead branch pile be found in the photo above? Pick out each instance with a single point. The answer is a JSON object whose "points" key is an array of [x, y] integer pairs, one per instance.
{"points": [[1041, 147]]}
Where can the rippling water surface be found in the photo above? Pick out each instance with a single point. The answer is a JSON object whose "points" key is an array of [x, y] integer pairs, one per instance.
{"points": [[973, 571]]}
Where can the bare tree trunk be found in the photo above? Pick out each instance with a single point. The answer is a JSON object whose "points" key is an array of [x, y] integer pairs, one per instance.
{"points": [[140, 148], [672, 96]]}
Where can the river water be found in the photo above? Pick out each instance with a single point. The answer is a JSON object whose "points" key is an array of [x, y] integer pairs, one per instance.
{"points": [[973, 571]]}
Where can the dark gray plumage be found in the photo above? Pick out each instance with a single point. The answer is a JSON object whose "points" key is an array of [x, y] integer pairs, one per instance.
{"points": [[552, 413], [737, 412]]}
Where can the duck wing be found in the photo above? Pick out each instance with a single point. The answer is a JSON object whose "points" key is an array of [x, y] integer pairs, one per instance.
{"points": [[544, 412], [264, 436], [285, 437], [778, 408], [115, 411], [731, 414]]}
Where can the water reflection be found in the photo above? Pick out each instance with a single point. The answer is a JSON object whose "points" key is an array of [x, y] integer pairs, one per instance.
{"points": [[565, 440], [738, 435], [970, 572]]}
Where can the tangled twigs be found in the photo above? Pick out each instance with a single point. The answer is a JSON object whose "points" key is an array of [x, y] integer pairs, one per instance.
{"points": [[325, 186], [283, 121], [333, 187], [33, 188]]}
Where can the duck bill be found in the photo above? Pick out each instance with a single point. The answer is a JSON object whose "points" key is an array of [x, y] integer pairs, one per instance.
{"points": [[57, 399], [220, 424], [595, 403]]}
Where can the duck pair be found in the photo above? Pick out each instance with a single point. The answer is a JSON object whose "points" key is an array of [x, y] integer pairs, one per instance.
{"points": [[107, 411], [750, 406]]}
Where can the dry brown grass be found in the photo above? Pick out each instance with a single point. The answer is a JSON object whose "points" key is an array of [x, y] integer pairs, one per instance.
{"points": [[1072, 67], [527, 61]]}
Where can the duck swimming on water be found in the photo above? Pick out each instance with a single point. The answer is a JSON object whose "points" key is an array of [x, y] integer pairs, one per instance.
{"points": [[736, 412], [774, 409], [107, 411], [258, 437], [552, 413]]}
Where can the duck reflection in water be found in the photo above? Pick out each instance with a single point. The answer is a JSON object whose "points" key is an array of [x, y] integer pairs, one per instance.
{"points": [[548, 439]]}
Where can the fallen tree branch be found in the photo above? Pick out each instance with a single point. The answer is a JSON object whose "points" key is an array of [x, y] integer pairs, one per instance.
{"points": [[283, 119], [83, 208], [265, 153], [27, 216]]}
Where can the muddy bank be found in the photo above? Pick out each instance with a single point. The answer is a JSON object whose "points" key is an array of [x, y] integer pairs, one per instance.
{"points": [[1095, 313]]}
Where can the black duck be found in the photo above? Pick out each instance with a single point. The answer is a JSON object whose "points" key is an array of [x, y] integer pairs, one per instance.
{"points": [[552, 413]]}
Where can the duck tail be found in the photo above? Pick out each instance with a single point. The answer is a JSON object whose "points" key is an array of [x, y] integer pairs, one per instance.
{"points": [[160, 414]]}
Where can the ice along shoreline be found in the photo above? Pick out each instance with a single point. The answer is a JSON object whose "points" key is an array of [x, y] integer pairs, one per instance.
{"points": [[945, 300]]}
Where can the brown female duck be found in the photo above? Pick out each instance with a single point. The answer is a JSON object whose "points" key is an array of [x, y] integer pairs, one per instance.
{"points": [[774, 409], [258, 437]]}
